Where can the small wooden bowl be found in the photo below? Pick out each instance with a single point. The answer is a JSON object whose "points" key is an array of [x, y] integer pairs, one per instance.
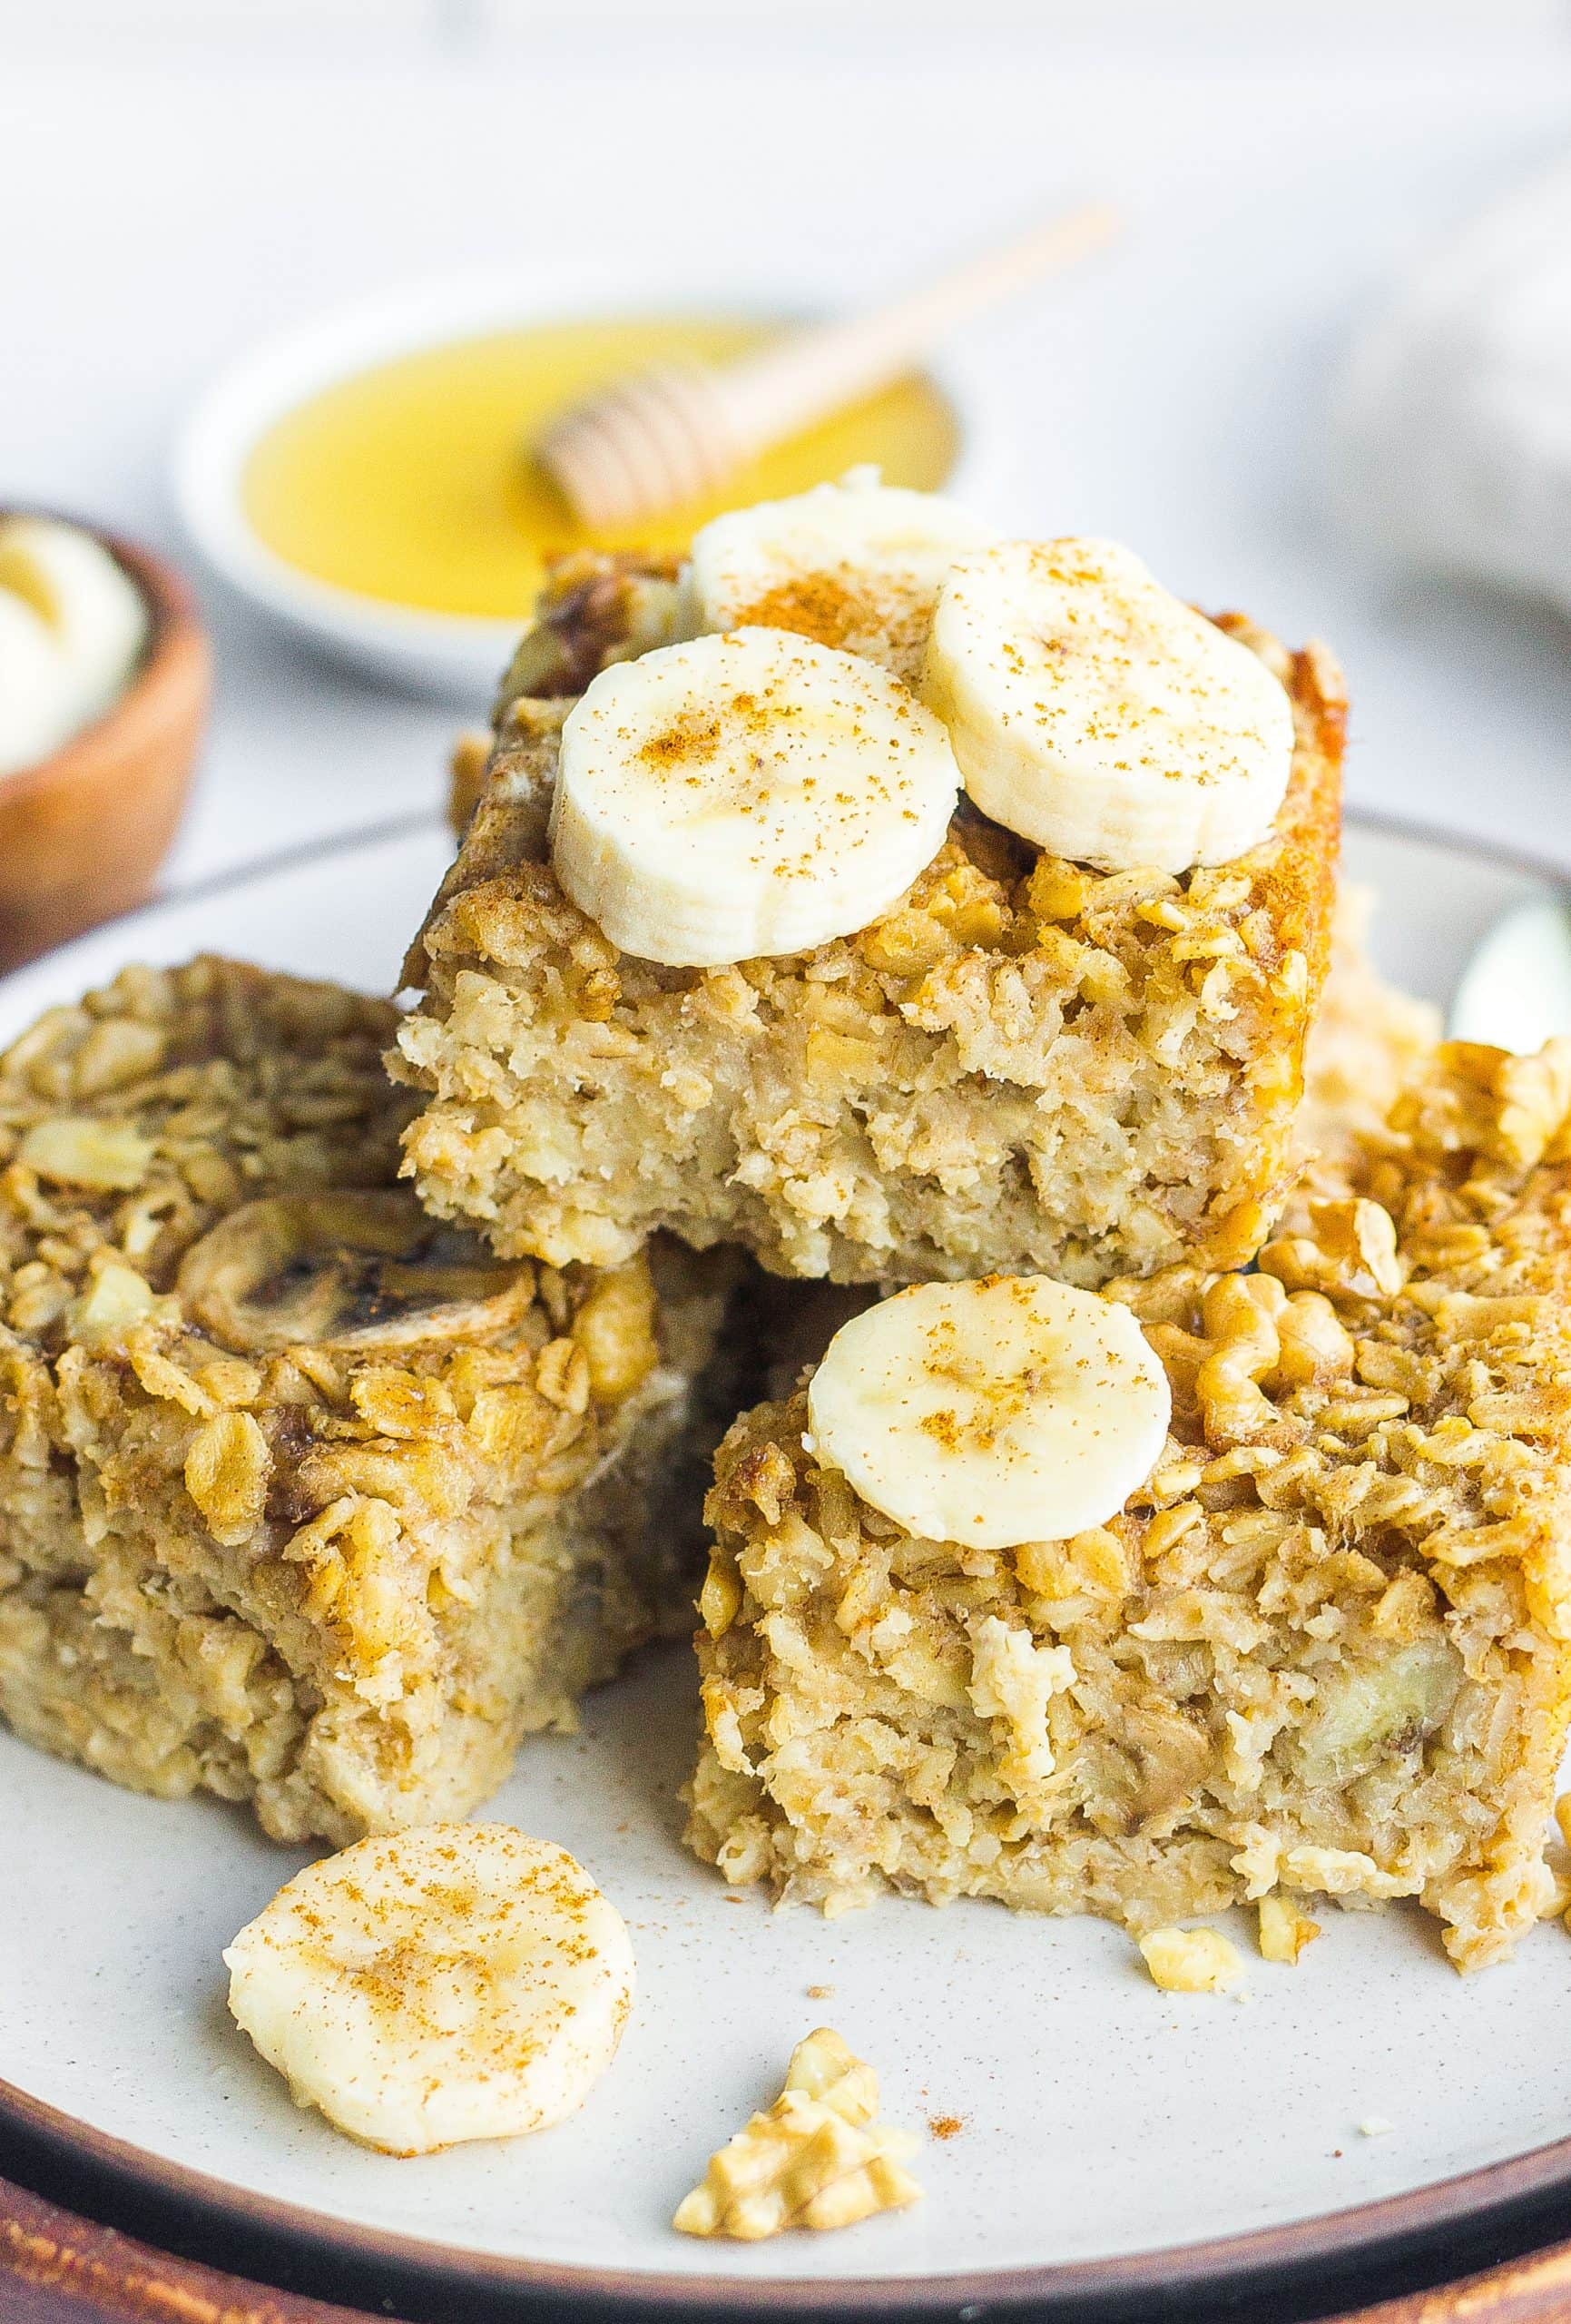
{"points": [[83, 834]]}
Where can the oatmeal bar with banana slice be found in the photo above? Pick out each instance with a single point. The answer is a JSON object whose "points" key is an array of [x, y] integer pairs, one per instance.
{"points": [[305, 1498], [997, 1057], [964, 1634]]}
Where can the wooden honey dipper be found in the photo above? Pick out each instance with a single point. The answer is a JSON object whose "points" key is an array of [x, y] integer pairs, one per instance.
{"points": [[677, 430]]}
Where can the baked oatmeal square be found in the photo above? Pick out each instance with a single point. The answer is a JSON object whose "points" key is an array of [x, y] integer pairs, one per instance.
{"points": [[1026, 1064], [1323, 1648], [305, 1498]]}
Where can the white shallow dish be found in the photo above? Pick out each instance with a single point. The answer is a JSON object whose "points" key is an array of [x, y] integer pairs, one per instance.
{"points": [[1111, 2137], [457, 656]]}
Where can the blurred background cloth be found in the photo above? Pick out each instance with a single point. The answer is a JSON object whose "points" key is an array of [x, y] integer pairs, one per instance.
{"points": [[180, 177]]}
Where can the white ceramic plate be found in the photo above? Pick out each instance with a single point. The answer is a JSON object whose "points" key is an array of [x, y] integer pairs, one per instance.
{"points": [[458, 656], [1110, 2135]]}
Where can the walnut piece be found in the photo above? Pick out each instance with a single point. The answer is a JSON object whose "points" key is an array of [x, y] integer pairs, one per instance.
{"points": [[226, 1475], [1350, 1251], [117, 1297], [817, 2158], [1284, 1931], [78, 1150], [1192, 1960]]}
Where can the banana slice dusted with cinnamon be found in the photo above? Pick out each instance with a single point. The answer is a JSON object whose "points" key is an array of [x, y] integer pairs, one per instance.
{"points": [[1099, 717], [743, 794], [1011, 1409], [464, 1982], [856, 565]]}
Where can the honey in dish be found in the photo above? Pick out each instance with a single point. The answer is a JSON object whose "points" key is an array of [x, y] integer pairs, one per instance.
{"points": [[412, 481]]}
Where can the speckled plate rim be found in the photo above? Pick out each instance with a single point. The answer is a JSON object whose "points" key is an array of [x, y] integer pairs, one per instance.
{"points": [[1360, 2232]]}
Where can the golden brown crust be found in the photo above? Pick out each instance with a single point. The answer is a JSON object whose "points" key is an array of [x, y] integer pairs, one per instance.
{"points": [[1295, 886]]}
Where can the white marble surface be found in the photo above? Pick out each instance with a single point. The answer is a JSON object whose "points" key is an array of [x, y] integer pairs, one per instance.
{"points": [[168, 197]]}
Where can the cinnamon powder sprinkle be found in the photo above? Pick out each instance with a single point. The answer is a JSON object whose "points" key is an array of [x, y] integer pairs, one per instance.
{"points": [[812, 605]]}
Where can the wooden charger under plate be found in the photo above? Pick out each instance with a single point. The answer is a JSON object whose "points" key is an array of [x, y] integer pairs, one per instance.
{"points": [[56, 2268], [83, 834]]}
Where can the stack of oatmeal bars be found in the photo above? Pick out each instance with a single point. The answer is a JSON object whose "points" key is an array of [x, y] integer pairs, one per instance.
{"points": [[350, 1417]]}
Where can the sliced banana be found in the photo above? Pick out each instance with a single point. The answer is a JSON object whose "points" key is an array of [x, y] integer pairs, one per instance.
{"points": [[745, 794], [464, 1982], [1011, 1409], [346, 1269], [1100, 718], [856, 565], [35, 715], [93, 611]]}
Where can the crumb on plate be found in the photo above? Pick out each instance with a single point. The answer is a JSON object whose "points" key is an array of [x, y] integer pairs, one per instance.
{"points": [[817, 2158]]}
